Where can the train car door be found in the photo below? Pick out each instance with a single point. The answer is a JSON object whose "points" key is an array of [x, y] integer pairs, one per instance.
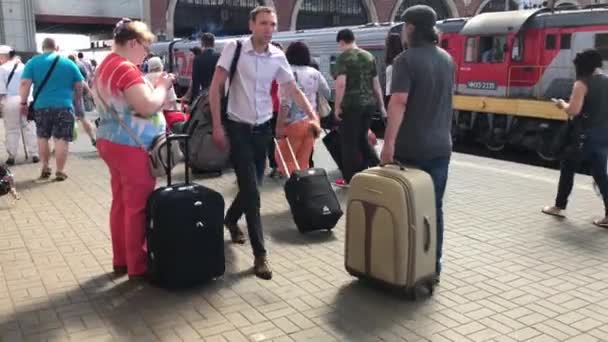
{"points": [[453, 45], [484, 68]]}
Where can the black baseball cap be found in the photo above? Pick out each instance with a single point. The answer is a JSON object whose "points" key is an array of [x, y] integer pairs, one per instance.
{"points": [[420, 15]]}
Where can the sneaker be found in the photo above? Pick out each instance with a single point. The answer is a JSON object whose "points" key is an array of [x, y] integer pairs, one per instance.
{"points": [[10, 161], [35, 159], [341, 182], [261, 268]]}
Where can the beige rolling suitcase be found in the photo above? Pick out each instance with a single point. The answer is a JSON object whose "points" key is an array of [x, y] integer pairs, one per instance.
{"points": [[391, 227]]}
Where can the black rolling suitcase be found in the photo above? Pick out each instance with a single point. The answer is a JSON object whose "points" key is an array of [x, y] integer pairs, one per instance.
{"points": [[312, 200], [184, 232]]}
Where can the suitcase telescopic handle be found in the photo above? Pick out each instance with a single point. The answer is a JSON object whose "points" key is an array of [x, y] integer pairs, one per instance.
{"points": [[186, 139], [293, 156], [427, 234]]}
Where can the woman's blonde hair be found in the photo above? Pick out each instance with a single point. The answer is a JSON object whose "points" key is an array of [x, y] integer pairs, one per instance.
{"points": [[128, 29]]}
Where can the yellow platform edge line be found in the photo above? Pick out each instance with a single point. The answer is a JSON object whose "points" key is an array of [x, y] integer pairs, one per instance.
{"points": [[517, 107]]}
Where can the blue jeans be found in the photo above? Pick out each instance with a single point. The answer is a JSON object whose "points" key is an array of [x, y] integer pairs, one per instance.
{"points": [[438, 170]]}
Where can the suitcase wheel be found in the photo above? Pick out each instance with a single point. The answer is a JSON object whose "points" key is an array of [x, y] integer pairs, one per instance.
{"points": [[430, 286], [421, 289]]}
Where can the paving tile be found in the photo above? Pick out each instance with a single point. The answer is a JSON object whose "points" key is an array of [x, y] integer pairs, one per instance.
{"points": [[510, 273]]}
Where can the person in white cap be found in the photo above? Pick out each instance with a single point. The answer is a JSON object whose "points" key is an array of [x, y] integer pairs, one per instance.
{"points": [[16, 126], [155, 70]]}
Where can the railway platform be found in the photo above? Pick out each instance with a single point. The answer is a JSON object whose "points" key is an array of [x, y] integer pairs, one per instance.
{"points": [[510, 272]]}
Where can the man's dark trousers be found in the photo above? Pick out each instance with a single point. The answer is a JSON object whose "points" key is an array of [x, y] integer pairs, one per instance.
{"points": [[248, 145], [357, 153]]}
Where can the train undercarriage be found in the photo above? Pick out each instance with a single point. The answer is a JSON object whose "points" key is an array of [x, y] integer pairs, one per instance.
{"points": [[498, 131]]}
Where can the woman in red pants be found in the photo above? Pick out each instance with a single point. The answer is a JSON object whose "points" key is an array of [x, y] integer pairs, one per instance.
{"points": [[130, 119]]}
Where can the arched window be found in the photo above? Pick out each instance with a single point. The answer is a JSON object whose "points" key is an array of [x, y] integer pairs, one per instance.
{"points": [[438, 5], [328, 13], [498, 6], [221, 17]]}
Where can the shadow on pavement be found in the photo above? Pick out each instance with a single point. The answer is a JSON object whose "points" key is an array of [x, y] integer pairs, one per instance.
{"points": [[284, 230], [364, 310], [115, 307]]}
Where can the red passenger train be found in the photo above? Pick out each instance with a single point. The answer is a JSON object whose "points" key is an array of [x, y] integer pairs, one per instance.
{"points": [[510, 65]]}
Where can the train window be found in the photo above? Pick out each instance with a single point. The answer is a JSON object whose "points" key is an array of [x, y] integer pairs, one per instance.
{"points": [[517, 51], [471, 50], [492, 49], [601, 44], [550, 42], [332, 66], [566, 41]]}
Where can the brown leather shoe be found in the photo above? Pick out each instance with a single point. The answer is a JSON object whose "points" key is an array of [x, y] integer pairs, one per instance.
{"points": [[261, 268], [236, 234], [120, 270]]}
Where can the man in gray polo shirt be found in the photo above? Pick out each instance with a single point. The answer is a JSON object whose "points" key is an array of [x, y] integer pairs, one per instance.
{"points": [[420, 110], [248, 121]]}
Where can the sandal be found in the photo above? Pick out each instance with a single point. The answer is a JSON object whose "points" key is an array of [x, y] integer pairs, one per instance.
{"points": [[602, 223], [60, 176], [46, 173], [553, 211]]}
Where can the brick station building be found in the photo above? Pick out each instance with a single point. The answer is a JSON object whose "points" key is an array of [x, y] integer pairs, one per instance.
{"points": [[183, 18]]}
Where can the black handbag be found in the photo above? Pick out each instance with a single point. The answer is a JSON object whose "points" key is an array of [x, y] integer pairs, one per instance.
{"points": [[570, 140], [30, 111]]}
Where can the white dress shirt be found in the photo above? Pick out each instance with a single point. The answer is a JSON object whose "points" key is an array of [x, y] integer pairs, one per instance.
{"points": [[250, 100]]}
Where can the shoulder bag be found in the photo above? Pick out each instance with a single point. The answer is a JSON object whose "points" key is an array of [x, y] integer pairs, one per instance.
{"points": [[30, 112], [158, 154]]}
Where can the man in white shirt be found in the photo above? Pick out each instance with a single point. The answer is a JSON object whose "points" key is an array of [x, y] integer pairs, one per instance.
{"points": [[247, 121], [15, 124]]}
